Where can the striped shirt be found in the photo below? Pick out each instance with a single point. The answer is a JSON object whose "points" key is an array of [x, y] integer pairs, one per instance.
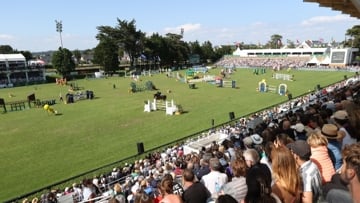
{"points": [[311, 178], [237, 188]]}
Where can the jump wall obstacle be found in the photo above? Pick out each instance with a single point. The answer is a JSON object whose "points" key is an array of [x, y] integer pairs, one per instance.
{"points": [[264, 87], [225, 83], [281, 76], [159, 105]]}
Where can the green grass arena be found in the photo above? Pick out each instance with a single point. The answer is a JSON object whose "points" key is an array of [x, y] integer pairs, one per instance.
{"points": [[38, 149]]}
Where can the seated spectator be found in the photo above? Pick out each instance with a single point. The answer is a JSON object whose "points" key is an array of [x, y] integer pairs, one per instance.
{"points": [[88, 189], [118, 193], [142, 197]]}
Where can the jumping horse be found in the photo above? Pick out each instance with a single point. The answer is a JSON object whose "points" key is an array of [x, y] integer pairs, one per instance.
{"points": [[159, 96]]}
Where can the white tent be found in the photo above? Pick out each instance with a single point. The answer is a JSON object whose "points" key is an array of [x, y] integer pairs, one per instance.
{"points": [[313, 61], [237, 52], [326, 61]]}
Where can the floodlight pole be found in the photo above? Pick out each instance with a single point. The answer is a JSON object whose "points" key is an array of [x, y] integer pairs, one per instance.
{"points": [[59, 30]]}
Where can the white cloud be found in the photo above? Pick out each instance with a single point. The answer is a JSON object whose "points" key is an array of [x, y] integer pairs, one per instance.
{"points": [[318, 20], [187, 28], [6, 37]]}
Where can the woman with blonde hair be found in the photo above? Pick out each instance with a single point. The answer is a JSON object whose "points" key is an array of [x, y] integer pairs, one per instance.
{"points": [[118, 193], [287, 183], [319, 151]]}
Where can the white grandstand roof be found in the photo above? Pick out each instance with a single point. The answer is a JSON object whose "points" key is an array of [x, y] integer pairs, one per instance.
{"points": [[12, 57], [295, 51]]}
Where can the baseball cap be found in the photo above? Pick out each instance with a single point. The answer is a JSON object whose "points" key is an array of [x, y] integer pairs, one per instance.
{"points": [[300, 148]]}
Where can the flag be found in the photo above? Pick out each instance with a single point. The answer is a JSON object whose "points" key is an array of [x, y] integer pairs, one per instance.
{"points": [[321, 40], [297, 41]]}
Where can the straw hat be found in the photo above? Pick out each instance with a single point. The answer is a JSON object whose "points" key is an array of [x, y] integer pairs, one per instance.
{"points": [[330, 131]]}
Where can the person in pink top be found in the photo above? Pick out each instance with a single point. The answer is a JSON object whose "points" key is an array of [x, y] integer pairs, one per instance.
{"points": [[319, 151]]}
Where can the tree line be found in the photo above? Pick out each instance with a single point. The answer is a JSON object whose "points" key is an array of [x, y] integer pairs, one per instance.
{"points": [[125, 41]]}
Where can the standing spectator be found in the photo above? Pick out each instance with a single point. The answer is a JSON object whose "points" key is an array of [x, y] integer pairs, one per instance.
{"points": [[204, 166], [259, 188], [166, 189], [252, 160], [237, 187], [319, 151], [350, 171], [226, 199], [287, 183], [332, 134], [177, 188], [342, 122], [309, 172], [215, 179], [286, 128], [195, 192]]}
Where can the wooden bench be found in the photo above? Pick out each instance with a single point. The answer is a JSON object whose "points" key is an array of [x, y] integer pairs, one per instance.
{"points": [[17, 105]]}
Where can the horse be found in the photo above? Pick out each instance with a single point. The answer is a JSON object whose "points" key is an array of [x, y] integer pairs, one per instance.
{"points": [[158, 96]]}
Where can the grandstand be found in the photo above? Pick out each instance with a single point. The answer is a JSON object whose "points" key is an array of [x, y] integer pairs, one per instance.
{"points": [[14, 70], [304, 52]]}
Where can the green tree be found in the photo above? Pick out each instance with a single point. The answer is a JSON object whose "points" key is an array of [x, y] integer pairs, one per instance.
{"points": [[27, 54], [106, 55], [6, 49], [208, 52], [354, 34], [178, 50], [77, 55], [63, 62], [156, 46], [290, 44], [126, 36], [275, 41], [220, 51], [196, 49]]}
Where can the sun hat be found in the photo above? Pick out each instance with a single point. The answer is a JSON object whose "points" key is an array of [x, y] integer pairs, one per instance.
{"points": [[299, 127], [256, 138], [330, 131], [341, 115]]}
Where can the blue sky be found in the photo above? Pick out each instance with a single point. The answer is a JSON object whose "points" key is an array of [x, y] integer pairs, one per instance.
{"points": [[30, 25]]}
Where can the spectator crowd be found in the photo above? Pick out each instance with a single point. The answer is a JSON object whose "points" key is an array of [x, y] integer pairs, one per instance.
{"points": [[310, 153]]}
